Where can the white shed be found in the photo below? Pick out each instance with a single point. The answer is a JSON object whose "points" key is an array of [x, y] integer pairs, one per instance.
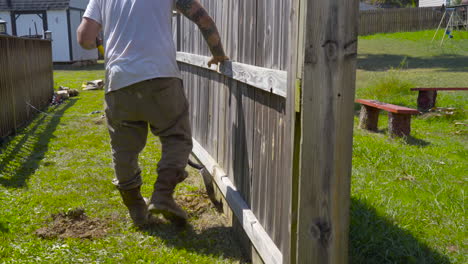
{"points": [[62, 17], [429, 3]]}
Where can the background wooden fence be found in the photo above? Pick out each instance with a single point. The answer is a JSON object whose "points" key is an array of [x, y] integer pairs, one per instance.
{"points": [[399, 20], [25, 79]]}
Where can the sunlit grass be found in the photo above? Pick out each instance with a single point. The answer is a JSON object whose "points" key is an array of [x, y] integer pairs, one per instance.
{"points": [[409, 201]]}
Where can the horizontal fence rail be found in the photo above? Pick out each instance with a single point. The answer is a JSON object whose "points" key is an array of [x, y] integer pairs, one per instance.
{"points": [[26, 80], [399, 20], [252, 227], [273, 81]]}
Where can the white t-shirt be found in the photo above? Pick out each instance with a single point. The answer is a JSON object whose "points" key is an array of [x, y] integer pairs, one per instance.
{"points": [[138, 40]]}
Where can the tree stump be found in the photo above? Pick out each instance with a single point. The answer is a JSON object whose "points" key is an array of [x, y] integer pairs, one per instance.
{"points": [[399, 125], [369, 118], [426, 100]]}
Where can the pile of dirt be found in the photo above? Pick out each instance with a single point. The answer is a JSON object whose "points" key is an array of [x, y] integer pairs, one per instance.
{"points": [[203, 215], [196, 202], [73, 224]]}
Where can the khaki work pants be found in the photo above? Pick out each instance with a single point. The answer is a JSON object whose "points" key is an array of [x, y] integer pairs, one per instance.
{"points": [[159, 104]]}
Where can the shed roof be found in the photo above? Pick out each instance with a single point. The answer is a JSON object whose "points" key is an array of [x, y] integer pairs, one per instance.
{"points": [[32, 5]]}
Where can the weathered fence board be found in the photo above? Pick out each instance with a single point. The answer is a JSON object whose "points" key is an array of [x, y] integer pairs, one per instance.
{"points": [[26, 80], [324, 165], [399, 20], [291, 140]]}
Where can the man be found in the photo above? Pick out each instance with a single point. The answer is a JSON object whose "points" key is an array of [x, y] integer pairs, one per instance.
{"points": [[144, 90]]}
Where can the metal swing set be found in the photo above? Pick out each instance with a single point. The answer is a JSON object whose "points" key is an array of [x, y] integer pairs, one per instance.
{"points": [[457, 18]]}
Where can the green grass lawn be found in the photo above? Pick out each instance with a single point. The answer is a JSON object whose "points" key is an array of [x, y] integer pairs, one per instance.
{"points": [[413, 59], [62, 161], [408, 195]]}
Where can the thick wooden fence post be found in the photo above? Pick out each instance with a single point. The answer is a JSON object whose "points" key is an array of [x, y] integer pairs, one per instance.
{"points": [[324, 165], [293, 122]]}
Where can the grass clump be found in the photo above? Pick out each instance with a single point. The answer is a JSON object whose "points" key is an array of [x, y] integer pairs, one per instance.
{"points": [[389, 89]]}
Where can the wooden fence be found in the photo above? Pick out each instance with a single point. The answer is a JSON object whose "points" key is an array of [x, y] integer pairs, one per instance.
{"points": [[26, 80], [238, 117], [399, 20], [246, 130]]}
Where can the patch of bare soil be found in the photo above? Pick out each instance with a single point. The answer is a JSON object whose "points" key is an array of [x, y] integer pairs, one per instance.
{"points": [[208, 231], [73, 224], [203, 214], [196, 203]]}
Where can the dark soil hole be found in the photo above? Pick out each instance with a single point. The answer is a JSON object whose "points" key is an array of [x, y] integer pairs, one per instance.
{"points": [[73, 224]]}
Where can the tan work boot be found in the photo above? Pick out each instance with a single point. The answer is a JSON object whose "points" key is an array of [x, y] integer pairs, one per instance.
{"points": [[137, 206], [162, 200]]}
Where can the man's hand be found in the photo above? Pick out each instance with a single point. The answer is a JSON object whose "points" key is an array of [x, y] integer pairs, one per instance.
{"points": [[194, 11], [217, 60]]}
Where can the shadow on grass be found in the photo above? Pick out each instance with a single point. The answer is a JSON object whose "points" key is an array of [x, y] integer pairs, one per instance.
{"points": [[383, 62], [68, 67], [215, 241], [376, 239], [410, 140], [22, 159], [4, 228]]}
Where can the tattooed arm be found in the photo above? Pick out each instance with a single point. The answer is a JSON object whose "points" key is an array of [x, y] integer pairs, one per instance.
{"points": [[194, 11]]}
